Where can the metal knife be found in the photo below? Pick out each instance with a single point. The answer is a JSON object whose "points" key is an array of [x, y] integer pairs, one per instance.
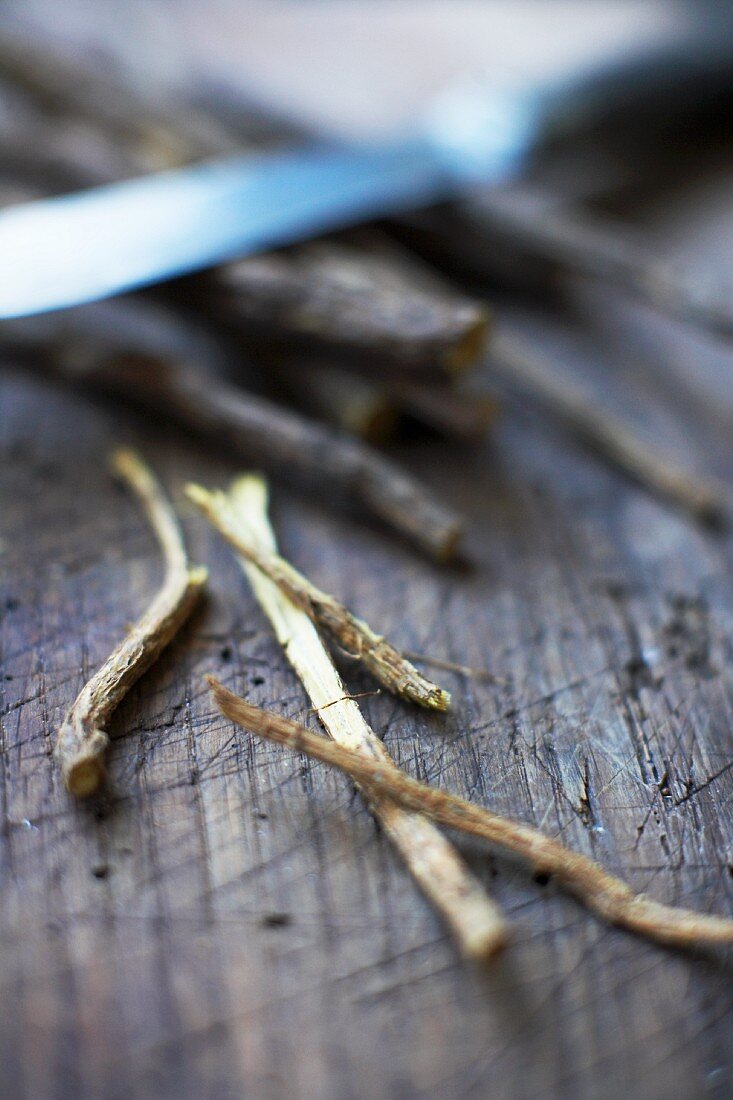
{"points": [[103, 241]]}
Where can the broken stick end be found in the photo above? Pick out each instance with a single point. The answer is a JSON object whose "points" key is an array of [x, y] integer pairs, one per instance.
{"points": [[442, 700], [123, 461], [82, 762], [246, 485], [198, 576], [448, 545], [470, 349], [234, 707], [84, 778], [485, 944], [431, 697]]}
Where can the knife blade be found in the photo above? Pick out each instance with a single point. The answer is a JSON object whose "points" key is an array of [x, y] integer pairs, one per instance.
{"points": [[78, 248]]}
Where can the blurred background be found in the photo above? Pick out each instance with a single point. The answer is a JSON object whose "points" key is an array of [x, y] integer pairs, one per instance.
{"points": [[107, 94], [110, 93]]}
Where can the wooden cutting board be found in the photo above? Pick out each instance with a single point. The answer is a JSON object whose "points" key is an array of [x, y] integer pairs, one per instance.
{"points": [[229, 922]]}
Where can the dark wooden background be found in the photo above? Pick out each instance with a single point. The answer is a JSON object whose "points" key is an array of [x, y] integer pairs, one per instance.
{"points": [[229, 922]]}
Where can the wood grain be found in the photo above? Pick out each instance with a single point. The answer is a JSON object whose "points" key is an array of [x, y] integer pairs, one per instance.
{"points": [[228, 922], [176, 970]]}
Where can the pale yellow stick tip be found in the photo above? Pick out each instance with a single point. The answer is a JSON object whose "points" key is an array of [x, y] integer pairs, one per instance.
{"points": [[124, 459], [198, 575], [84, 777], [196, 493]]}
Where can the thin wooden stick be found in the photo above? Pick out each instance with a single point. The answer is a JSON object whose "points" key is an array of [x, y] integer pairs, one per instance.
{"points": [[384, 662], [82, 742], [604, 894], [464, 414], [278, 438], [658, 474], [591, 249], [473, 917]]}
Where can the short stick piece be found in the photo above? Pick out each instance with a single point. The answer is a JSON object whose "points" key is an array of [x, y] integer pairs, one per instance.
{"points": [[82, 741]]}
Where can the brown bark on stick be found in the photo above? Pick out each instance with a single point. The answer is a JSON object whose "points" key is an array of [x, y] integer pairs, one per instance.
{"points": [[525, 237], [43, 153], [156, 135], [462, 414], [270, 435], [352, 402], [152, 134], [604, 894], [605, 251], [332, 297]]}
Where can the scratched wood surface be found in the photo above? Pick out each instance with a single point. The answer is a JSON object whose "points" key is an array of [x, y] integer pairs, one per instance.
{"points": [[228, 922]]}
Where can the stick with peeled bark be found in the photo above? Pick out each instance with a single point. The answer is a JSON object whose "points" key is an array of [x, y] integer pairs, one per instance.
{"points": [[269, 435], [474, 919], [82, 742], [604, 894], [355, 636]]}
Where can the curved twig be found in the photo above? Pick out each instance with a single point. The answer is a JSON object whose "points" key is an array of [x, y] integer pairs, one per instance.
{"points": [[604, 894], [82, 742]]}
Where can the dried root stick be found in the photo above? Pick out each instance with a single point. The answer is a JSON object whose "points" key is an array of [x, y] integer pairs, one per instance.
{"points": [[474, 919], [384, 662], [295, 445], [604, 894], [705, 500], [82, 742]]}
